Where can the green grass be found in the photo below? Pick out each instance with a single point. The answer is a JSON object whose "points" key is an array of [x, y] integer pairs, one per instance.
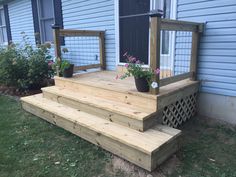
{"points": [[31, 147], [209, 150]]}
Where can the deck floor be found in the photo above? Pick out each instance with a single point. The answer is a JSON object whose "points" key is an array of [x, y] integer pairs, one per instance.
{"points": [[107, 80]]}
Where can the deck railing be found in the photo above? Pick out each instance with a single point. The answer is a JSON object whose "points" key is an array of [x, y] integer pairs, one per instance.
{"points": [[60, 36], [157, 26]]}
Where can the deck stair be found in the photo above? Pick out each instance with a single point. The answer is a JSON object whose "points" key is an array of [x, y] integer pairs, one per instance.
{"points": [[106, 114]]}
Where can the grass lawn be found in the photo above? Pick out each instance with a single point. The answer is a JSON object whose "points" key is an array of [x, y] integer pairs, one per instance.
{"points": [[31, 147]]}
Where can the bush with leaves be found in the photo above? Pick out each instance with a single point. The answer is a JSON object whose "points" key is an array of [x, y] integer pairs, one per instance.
{"points": [[24, 66], [13, 67]]}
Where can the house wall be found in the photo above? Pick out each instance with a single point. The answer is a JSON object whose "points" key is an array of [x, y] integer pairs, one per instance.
{"points": [[182, 52], [217, 55], [77, 14], [90, 15], [21, 20]]}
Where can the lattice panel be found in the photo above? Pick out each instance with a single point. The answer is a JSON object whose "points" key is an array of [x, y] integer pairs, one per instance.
{"points": [[180, 111]]}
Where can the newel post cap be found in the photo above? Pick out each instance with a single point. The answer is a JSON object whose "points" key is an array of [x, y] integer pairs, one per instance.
{"points": [[156, 13]]}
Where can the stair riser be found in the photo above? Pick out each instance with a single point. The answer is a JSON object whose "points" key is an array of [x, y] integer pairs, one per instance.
{"points": [[129, 153], [165, 151], [108, 115], [128, 98]]}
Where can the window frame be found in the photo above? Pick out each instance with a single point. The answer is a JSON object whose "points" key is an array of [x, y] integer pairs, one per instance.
{"points": [[160, 4], [41, 20], [2, 42]]}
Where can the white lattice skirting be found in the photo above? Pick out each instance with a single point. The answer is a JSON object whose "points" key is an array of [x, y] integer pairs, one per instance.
{"points": [[177, 113]]}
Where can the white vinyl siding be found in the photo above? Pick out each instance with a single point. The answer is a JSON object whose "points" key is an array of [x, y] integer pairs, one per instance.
{"points": [[91, 15], [21, 20], [217, 54]]}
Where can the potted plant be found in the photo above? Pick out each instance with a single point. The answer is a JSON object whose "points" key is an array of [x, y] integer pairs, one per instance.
{"points": [[67, 69], [62, 68], [142, 76]]}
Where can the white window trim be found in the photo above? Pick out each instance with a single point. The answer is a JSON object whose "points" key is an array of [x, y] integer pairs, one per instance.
{"points": [[117, 33], [42, 37], [4, 43]]}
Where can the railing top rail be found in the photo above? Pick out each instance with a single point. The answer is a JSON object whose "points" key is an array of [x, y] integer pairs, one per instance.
{"points": [[177, 25], [72, 32], [170, 80]]}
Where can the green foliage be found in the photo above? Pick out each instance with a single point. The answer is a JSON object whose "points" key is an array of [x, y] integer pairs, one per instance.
{"points": [[65, 65], [24, 66], [31, 147], [136, 68], [61, 65]]}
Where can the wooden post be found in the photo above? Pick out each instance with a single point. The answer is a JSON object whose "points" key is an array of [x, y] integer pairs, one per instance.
{"points": [[102, 50], [194, 54], [57, 44], [155, 47]]}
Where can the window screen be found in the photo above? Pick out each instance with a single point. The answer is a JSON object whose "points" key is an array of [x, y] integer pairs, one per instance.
{"points": [[46, 19], [3, 28]]}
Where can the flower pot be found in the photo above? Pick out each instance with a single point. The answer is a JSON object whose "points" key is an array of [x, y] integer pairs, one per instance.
{"points": [[69, 71], [142, 84]]}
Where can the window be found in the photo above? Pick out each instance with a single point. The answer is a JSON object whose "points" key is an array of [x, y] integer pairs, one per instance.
{"points": [[3, 27], [166, 34], [165, 6], [45, 13], [46, 19]]}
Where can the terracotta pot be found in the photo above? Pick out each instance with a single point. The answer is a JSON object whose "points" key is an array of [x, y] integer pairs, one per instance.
{"points": [[142, 84], [69, 71]]}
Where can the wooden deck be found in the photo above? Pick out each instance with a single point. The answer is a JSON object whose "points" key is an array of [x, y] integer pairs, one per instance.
{"points": [[113, 115]]}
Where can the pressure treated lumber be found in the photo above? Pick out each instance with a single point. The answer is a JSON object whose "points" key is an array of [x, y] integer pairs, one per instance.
{"points": [[145, 149], [176, 91], [155, 50], [103, 84], [130, 116]]}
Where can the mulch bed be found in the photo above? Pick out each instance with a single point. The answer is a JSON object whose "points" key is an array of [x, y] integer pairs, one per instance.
{"points": [[5, 90], [12, 91]]}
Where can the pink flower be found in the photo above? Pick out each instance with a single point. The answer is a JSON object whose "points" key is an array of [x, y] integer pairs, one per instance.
{"points": [[131, 59], [157, 71], [126, 65], [117, 76], [138, 62], [50, 63]]}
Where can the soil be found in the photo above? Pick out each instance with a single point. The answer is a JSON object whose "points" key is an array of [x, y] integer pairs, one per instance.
{"points": [[12, 91]]}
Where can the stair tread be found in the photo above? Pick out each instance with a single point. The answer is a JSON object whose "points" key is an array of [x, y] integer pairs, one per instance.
{"points": [[106, 80], [110, 105], [146, 142]]}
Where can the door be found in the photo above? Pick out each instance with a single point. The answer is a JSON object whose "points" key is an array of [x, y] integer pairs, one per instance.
{"points": [[134, 29]]}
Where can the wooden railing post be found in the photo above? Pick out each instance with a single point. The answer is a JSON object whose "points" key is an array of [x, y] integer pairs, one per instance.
{"points": [[155, 47], [56, 35], [102, 50], [57, 45], [194, 55], [194, 50]]}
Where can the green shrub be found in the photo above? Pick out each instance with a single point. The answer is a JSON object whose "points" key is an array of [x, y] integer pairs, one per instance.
{"points": [[25, 66], [13, 67]]}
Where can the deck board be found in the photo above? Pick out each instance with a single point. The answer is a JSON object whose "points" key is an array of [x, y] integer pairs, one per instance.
{"points": [[138, 147], [107, 80], [103, 110]]}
